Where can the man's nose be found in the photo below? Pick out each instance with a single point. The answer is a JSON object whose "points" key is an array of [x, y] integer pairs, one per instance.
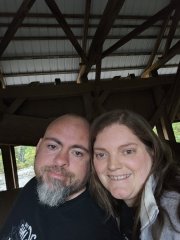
{"points": [[62, 158]]}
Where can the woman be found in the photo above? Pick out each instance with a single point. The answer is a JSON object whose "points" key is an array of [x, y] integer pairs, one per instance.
{"points": [[133, 169]]}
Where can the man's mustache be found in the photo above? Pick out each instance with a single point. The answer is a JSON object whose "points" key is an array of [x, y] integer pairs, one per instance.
{"points": [[59, 170]]}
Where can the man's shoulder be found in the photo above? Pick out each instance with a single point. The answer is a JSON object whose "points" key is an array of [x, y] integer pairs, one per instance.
{"points": [[28, 190]]}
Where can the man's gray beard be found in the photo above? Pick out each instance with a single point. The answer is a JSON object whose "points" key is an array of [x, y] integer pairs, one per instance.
{"points": [[55, 194]]}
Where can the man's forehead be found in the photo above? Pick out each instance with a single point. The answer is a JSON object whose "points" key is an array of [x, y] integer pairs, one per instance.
{"points": [[73, 132], [69, 121]]}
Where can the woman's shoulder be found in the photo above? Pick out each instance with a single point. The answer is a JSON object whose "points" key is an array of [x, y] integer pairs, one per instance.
{"points": [[171, 195], [170, 201]]}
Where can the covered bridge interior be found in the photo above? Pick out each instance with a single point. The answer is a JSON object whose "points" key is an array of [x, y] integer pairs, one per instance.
{"points": [[85, 57]]}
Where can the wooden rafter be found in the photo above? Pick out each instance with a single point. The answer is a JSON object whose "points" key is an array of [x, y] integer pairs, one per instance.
{"points": [[111, 10], [71, 89], [27, 125], [78, 37], [156, 46], [17, 21], [174, 101], [159, 63], [15, 105], [78, 25], [98, 71], [167, 127], [2, 83], [10, 168], [160, 108], [74, 16], [172, 30], [85, 37], [158, 16], [86, 24], [61, 20]]}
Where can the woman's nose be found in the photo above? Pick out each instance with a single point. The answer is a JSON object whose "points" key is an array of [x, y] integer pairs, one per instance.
{"points": [[114, 162]]}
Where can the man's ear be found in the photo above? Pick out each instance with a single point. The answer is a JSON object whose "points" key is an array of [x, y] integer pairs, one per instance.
{"points": [[39, 143]]}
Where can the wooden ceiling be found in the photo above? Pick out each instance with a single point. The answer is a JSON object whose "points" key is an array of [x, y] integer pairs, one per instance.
{"points": [[27, 108]]}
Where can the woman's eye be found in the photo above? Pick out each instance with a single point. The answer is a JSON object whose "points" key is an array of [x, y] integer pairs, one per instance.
{"points": [[99, 155], [128, 151]]}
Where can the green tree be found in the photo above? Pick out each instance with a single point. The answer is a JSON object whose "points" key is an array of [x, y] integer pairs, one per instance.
{"points": [[1, 163], [24, 156], [176, 129]]}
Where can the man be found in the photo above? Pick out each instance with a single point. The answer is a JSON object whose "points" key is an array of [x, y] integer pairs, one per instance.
{"points": [[56, 204]]}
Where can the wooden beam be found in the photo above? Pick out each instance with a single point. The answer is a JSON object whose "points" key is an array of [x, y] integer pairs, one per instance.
{"points": [[79, 37], [172, 30], [21, 130], [78, 25], [174, 100], [86, 24], [67, 71], [85, 37], [170, 54], [19, 17], [2, 83], [167, 128], [87, 99], [47, 102], [160, 130], [74, 16], [3, 107], [98, 69], [73, 89], [158, 16], [61, 20], [161, 107], [54, 56], [111, 10], [156, 46], [15, 105], [10, 167]]}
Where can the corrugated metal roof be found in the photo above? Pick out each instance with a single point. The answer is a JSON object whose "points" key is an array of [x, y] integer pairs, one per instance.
{"points": [[43, 53]]}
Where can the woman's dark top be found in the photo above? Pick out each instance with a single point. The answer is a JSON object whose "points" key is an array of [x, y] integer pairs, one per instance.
{"points": [[127, 215]]}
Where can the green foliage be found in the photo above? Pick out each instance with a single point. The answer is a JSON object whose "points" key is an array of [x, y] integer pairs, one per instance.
{"points": [[24, 156], [176, 129], [1, 163]]}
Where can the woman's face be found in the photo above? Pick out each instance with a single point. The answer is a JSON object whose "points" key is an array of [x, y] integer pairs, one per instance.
{"points": [[121, 161]]}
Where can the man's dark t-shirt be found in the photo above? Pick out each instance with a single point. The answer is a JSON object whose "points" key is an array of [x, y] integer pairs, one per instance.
{"points": [[79, 218]]}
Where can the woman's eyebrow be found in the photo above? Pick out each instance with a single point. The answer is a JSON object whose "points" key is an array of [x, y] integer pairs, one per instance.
{"points": [[127, 145]]}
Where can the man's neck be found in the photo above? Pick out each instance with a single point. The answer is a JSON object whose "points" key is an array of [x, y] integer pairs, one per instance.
{"points": [[76, 194]]}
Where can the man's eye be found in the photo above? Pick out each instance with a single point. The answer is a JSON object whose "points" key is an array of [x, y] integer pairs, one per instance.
{"points": [[51, 146], [77, 153]]}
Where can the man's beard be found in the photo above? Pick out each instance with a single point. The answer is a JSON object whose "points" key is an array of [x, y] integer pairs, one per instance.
{"points": [[54, 192]]}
